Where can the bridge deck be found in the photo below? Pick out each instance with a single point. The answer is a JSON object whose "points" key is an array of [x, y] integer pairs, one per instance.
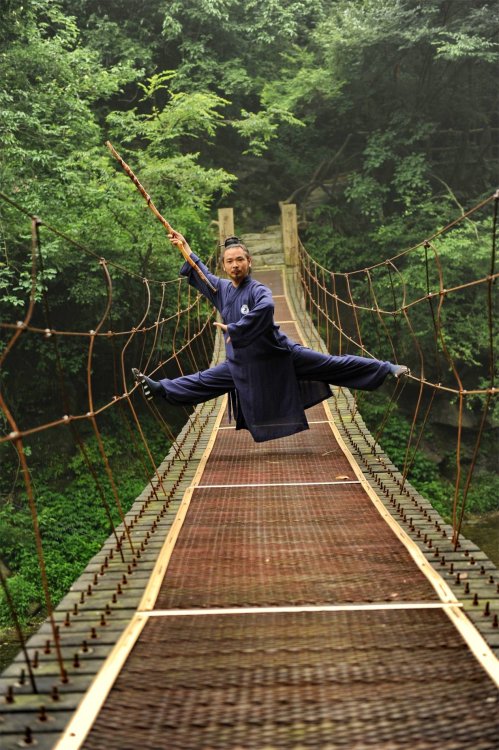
{"points": [[287, 609], [291, 615]]}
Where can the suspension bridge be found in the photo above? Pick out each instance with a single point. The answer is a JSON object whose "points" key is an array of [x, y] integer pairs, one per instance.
{"points": [[295, 593]]}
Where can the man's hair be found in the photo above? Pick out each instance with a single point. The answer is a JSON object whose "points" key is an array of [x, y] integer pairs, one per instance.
{"points": [[234, 242]]}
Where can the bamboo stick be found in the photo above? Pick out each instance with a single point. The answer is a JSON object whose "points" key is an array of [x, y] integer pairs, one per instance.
{"points": [[157, 214]]}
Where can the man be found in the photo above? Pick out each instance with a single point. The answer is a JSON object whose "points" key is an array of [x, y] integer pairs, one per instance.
{"points": [[270, 378]]}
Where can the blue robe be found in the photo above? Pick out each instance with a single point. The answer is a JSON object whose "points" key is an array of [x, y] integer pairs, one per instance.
{"points": [[272, 378], [268, 401]]}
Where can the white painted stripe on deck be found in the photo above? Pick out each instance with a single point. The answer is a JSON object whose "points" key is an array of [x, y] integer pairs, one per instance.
{"points": [[288, 609], [273, 484]]}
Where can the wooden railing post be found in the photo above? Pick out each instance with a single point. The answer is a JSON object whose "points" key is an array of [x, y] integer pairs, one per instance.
{"points": [[225, 224], [289, 225]]}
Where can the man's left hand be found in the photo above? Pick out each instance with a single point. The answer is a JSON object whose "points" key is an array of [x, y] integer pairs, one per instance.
{"points": [[223, 326]]}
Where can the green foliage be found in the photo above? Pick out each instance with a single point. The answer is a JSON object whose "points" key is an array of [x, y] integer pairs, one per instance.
{"points": [[262, 127], [410, 84], [72, 519], [377, 72], [425, 472], [57, 94], [460, 45], [368, 194], [49, 84], [235, 53], [465, 255], [24, 593], [483, 495], [394, 440], [191, 115], [395, 437], [326, 241]]}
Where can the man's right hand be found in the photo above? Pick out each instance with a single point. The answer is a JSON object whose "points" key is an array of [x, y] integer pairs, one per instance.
{"points": [[179, 241]]}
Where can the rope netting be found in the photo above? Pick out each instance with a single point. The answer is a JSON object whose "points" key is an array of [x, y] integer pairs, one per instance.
{"points": [[430, 307], [162, 328]]}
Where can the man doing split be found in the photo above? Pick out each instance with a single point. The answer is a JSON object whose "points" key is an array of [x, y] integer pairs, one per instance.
{"points": [[270, 378]]}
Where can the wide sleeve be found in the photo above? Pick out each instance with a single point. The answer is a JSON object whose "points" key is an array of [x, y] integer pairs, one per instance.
{"points": [[195, 280], [254, 323]]}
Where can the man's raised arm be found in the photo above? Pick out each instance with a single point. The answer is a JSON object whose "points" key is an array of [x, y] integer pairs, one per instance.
{"points": [[194, 279]]}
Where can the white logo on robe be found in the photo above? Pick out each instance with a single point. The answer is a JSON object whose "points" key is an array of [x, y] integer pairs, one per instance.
{"points": [[244, 309]]}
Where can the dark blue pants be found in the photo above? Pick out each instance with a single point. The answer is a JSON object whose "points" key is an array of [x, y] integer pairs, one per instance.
{"points": [[348, 370]]}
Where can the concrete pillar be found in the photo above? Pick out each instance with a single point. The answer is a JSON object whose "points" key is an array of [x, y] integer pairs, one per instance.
{"points": [[289, 225], [225, 224]]}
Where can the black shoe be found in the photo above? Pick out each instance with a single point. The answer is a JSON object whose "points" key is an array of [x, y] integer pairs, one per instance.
{"points": [[142, 379]]}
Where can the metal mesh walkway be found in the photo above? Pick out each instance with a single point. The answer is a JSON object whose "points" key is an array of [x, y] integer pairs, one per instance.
{"points": [[291, 615], [287, 537], [384, 679]]}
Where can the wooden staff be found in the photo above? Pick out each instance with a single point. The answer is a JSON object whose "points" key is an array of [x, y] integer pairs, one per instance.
{"points": [[157, 214]]}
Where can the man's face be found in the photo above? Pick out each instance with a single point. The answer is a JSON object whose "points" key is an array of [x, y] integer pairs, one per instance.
{"points": [[236, 264]]}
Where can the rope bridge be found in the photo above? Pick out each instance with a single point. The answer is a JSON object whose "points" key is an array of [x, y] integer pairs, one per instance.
{"points": [[380, 310]]}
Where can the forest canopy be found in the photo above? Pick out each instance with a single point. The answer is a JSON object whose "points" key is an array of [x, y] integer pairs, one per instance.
{"points": [[367, 110]]}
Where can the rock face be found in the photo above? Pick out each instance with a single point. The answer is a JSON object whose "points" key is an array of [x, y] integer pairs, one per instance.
{"points": [[265, 247]]}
